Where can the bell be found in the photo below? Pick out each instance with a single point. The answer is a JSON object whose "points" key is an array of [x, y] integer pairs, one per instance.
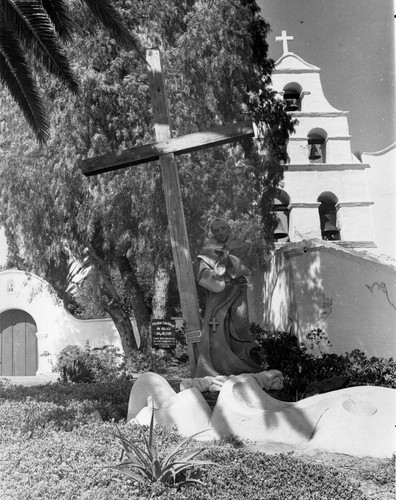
{"points": [[280, 231], [291, 105], [329, 230], [314, 154]]}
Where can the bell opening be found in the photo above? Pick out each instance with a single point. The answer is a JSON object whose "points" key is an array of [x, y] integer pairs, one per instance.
{"points": [[314, 153], [281, 229]]}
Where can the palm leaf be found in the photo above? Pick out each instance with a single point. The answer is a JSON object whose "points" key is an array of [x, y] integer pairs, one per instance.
{"points": [[109, 17], [16, 76], [32, 26], [58, 13]]}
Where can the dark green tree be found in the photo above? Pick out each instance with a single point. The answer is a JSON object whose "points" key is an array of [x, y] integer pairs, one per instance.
{"points": [[217, 72]]}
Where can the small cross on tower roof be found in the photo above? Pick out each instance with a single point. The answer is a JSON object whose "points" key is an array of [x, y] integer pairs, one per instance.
{"points": [[284, 38]]}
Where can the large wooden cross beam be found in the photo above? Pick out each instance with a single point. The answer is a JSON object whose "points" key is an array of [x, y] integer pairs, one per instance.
{"points": [[165, 150]]}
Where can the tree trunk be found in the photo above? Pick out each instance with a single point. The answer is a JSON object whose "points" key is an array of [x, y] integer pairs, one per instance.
{"points": [[113, 306], [124, 326], [140, 309], [161, 290]]}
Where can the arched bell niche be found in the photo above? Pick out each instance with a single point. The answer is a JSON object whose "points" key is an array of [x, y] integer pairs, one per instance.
{"points": [[328, 216], [317, 145], [282, 212]]}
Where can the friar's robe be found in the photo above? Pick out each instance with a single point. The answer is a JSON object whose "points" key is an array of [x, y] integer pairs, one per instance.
{"points": [[227, 346]]}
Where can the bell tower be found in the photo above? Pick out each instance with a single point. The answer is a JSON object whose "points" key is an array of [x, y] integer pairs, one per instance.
{"points": [[325, 182]]}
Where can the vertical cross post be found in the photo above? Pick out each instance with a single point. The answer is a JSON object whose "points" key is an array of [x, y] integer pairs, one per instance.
{"points": [[174, 206]]}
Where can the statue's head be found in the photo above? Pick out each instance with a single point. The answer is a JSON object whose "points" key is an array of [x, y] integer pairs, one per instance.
{"points": [[220, 230]]}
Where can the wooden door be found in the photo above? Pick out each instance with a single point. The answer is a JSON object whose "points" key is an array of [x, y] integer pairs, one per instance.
{"points": [[18, 344]]}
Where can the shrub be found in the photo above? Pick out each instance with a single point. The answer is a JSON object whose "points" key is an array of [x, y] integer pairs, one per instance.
{"points": [[77, 371], [77, 364], [109, 398], [302, 370]]}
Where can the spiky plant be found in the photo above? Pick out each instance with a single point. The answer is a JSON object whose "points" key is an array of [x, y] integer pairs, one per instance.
{"points": [[143, 464]]}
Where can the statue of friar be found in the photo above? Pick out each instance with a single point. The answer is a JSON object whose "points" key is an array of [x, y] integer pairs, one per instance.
{"points": [[227, 347]]}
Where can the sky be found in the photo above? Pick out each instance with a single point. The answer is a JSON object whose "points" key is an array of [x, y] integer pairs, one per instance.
{"points": [[353, 43]]}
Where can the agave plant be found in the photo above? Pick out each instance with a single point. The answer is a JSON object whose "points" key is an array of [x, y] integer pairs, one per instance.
{"points": [[144, 465]]}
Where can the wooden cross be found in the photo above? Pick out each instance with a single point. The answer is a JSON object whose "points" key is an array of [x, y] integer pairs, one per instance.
{"points": [[165, 150], [284, 38]]}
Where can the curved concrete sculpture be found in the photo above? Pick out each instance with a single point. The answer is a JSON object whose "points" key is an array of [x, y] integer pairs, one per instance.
{"points": [[187, 410], [358, 421]]}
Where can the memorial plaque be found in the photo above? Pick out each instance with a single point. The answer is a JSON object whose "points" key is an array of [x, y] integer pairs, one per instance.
{"points": [[193, 337], [163, 334]]}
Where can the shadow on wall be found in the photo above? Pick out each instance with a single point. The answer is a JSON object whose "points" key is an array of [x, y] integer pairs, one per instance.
{"points": [[293, 291], [318, 285]]}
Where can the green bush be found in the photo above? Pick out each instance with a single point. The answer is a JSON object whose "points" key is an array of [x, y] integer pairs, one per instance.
{"points": [[302, 370], [77, 364], [109, 398]]}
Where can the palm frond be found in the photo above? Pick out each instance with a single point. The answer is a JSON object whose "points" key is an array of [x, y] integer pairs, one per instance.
{"points": [[32, 26], [109, 17], [16, 76], [58, 13]]}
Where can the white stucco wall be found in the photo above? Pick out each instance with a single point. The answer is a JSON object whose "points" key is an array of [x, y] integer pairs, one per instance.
{"points": [[381, 180], [350, 296], [56, 328], [304, 184], [3, 248]]}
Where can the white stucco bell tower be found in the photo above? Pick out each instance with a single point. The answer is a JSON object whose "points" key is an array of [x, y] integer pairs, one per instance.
{"points": [[325, 185], [333, 268]]}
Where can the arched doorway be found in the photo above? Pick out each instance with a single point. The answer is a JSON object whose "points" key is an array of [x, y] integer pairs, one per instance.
{"points": [[18, 344]]}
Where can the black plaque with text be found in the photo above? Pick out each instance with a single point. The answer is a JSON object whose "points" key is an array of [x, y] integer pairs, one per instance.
{"points": [[163, 335]]}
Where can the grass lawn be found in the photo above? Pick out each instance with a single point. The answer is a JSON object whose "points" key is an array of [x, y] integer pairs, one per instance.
{"points": [[54, 446]]}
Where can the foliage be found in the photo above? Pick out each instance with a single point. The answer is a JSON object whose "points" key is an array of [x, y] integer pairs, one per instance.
{"points": [[77, 371], [70, 464], [52, 446], [143, 464], [88, 364], [302, 369], [217, 72], [33, 32], [107, 364], [73, 401]]}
